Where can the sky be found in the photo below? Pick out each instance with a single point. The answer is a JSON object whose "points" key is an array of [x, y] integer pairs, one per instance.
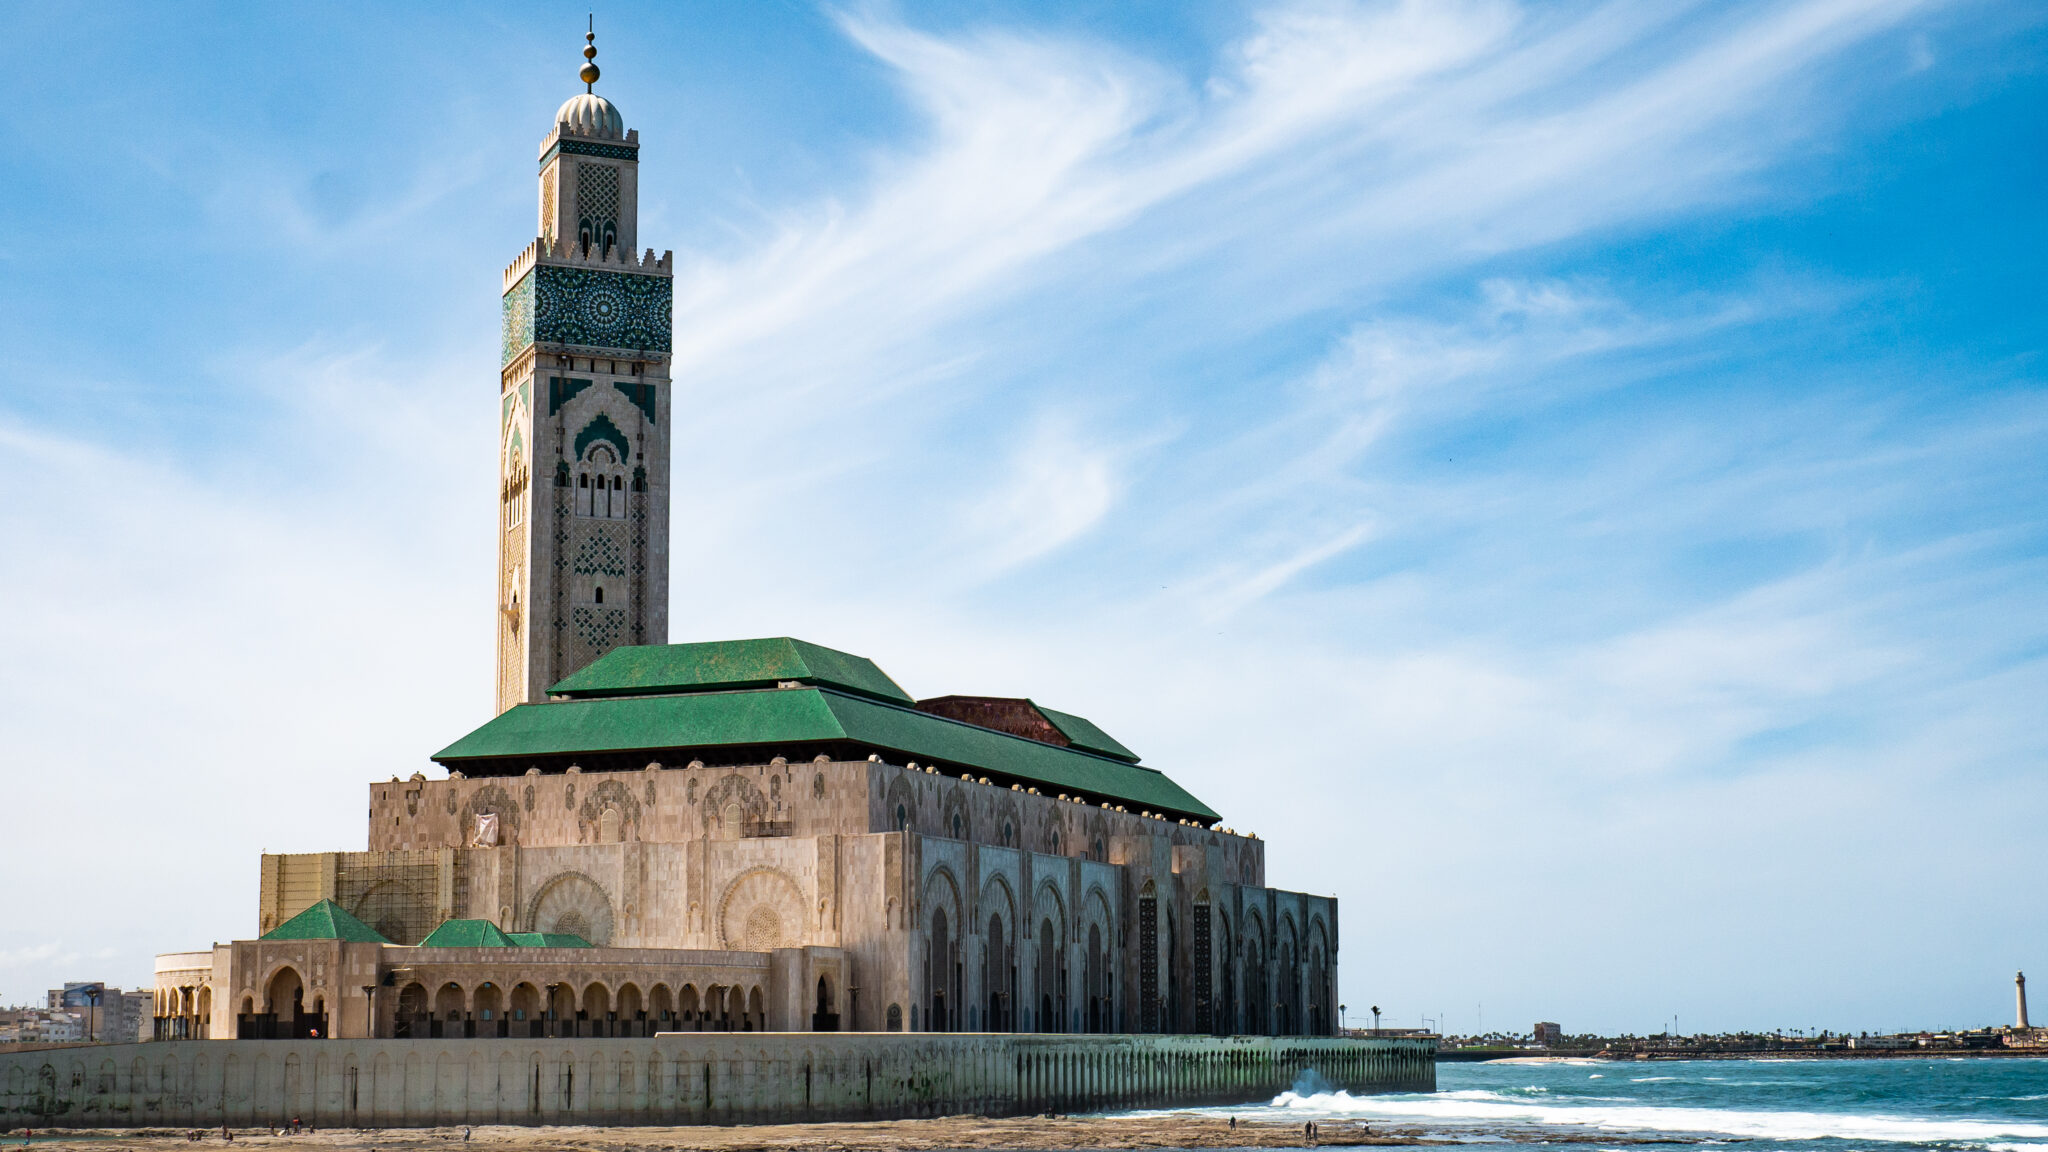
{"points": [[1570, 476]]}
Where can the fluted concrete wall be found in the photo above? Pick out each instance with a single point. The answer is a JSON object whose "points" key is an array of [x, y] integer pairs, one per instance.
{"points": [[694, 1078]]}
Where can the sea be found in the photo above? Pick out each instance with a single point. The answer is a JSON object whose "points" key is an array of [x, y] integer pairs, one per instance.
{"points": [[1871, 1105]]}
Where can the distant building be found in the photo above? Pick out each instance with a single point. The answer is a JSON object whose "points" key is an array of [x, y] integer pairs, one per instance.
{"points": [[1548, 1035], [102, 1013], [1884, 1042]]}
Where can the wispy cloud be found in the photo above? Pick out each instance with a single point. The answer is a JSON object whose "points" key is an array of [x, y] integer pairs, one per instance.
{"points": [[1263, 408]]}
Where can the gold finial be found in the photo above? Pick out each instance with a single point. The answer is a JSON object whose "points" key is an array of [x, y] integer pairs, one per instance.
{"points": [[589, 73]]}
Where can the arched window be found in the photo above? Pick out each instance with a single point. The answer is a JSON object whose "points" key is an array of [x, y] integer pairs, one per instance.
{"points": [[601, 488], [895, 1018], [959, 827], [902, 818], [600, 593]]}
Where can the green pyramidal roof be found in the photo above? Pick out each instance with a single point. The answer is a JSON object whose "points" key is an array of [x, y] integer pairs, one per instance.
{"points": [[549, 940], [325, 920], [468, 934], [640, 670], [484, 934]]}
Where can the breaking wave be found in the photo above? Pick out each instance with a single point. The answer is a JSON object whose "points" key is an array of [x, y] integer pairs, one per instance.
{"points": [[1491, 1107]]}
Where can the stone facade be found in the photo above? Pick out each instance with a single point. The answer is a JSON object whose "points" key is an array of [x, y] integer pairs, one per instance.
{"points": [[961, 906]]}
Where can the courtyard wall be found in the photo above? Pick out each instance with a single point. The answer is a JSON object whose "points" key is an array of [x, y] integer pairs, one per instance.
{"points": [[729, 1078]]}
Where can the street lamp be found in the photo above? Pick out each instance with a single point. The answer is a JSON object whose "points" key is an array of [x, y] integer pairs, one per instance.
{"points": [[1341, 1020], [369, 1011], [92, 1006], [1375, 1019]]}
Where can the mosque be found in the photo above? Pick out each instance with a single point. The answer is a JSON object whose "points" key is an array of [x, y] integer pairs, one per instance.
{"points": [[749, 835]]}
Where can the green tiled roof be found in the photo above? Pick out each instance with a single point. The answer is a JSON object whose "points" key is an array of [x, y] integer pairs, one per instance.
{"points": [[325, 920], [791, 716], [638, 670], [1083, 733], [549, 940], [468, 934]]}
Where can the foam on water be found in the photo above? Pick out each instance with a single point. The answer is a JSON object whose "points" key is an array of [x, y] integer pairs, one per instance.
{"points": [[1499, 1108]]}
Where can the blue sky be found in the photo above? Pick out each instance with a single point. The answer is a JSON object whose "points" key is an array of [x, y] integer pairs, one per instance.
{"points": [[1569, 475]]}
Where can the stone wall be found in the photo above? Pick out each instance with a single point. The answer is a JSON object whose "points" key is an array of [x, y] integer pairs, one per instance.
{"points": [[673, 1079]]}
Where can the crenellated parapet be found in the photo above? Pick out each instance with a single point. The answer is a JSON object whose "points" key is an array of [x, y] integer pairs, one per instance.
{"points": [[572, 255]]}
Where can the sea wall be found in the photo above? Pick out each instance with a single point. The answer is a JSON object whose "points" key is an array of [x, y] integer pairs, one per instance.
{"points": [[681, 1078]]}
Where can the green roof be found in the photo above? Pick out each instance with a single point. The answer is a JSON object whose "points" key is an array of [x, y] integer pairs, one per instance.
{"points": [[812, 715], [468, 934], [325, 920], [549, 940], [484, 934], [1083, 733], [639, 670]]}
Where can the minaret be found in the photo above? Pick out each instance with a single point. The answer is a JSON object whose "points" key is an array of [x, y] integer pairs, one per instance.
{"points": [[2019, 983], [583, 412]]}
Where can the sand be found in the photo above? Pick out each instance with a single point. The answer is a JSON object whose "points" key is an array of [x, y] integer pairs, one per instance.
{"points": [[950, 1132]]}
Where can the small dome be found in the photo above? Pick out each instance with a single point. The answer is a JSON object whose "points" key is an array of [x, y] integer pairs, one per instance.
{"points": [[588, 114]]}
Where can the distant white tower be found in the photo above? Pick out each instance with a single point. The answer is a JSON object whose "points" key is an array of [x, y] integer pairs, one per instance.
{"points": [[584, 413], [2019, 983]]}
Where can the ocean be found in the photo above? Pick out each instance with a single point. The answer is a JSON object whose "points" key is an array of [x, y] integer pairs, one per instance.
{"points": [[1886, 1105]]}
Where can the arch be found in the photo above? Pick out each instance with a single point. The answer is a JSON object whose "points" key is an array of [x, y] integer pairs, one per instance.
{"points": [[760, 911], [284, 993], [488, 1004], [449, 1001], [757, 1010], [939, 966], [999, 973], [572, 903], [1050, 904], [388, 907], [690, 1008], [414, 1010], [631, 1004], [599, 430], [597, 1000], [1258, 990], [940, 886], [525, 1001], [661, 1002], [825, 1018]]}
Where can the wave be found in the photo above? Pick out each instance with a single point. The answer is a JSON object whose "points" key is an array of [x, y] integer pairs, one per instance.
{"points": [[1494, 1108]]}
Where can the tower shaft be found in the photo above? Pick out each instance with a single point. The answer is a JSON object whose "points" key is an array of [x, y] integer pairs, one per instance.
{"points": [[584, 416]]}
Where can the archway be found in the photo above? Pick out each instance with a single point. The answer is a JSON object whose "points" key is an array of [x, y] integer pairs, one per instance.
{"points": [[939, 973], [826, 1018]]}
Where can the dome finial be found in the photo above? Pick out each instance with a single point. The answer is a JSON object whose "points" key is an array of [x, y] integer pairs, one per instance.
{"points": [[589, 73]]}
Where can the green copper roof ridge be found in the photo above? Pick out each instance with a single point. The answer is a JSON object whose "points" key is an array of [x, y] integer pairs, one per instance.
{"points": [[809, 714], [339, 924], [804, 661]]}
